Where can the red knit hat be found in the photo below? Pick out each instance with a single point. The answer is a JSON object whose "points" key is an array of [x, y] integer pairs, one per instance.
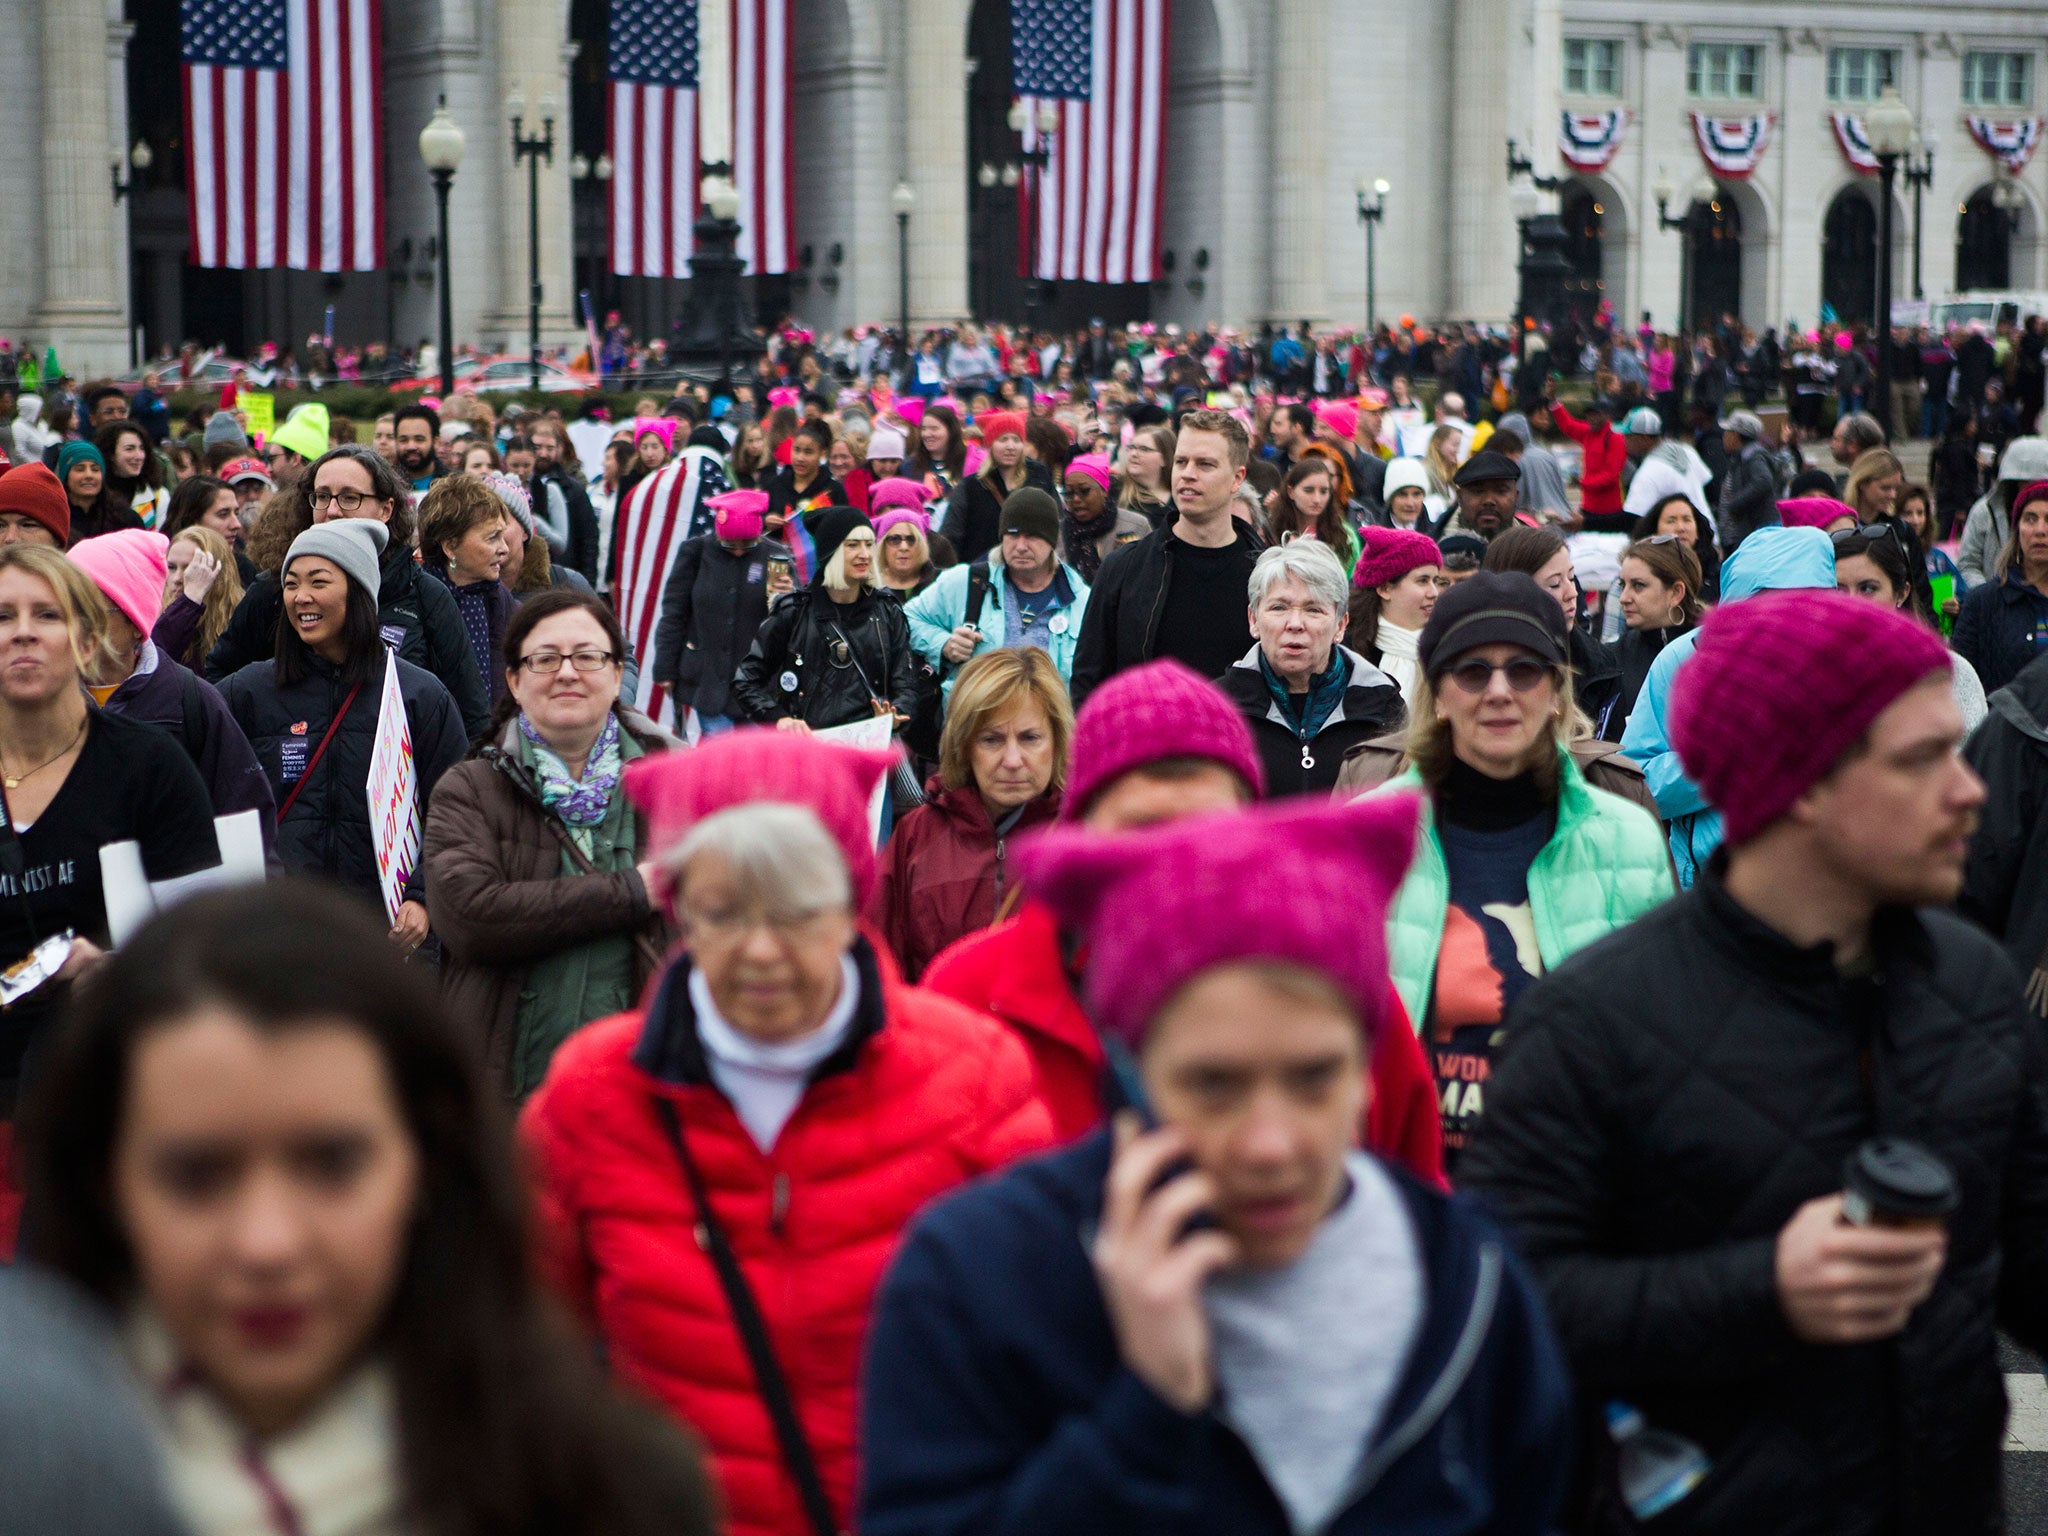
{"points": [[1158, 907], [677, 790], [1779, 686], [1391, 553], [33, 490], [995, 424], [1160, 710]]}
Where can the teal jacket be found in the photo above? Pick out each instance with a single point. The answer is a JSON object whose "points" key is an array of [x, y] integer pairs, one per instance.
{"points": [[1604, 867], [1769, 560], [937, 611]]}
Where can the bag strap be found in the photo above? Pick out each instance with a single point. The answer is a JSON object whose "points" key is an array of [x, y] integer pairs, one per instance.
{"points": [[746, 1314], [319, 752], [977, 599]]}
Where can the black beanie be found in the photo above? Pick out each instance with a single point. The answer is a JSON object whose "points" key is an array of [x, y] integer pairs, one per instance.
{"points": [[1033, 513], [829, 527]]}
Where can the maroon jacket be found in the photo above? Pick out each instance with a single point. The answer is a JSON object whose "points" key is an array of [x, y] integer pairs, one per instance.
{"points": [[945, 872]]}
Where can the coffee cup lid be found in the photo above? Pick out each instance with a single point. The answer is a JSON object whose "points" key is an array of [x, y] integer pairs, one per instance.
{"points": [[1901, 1177]]}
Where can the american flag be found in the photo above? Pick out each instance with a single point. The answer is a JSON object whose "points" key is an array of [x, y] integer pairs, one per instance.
{"points": [[654, 519], [1102, 65], [283, 133], [651, 65]]}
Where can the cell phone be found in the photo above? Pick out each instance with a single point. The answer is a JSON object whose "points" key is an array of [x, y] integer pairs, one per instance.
{"points": [[1127, 1091]]}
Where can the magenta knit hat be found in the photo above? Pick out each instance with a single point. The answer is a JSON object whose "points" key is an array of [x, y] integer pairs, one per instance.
{"points": [[1094, 465], [1391, 553], [1779, 686], [1813, 511], [663, 427], [1159, 907], [676, 790], [897, 494], [884, 521], [1160, 710], [129, 567], [739, 515], [1340, 416]]}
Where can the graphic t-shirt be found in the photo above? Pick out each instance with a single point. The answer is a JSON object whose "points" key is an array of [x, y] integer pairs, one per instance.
{"points": [[1487, 958]]}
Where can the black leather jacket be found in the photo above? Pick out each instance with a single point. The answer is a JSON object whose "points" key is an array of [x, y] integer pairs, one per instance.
{"points": [[824, 665]]}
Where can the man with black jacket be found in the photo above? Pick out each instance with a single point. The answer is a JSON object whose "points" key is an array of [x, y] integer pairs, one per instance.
{"points": [[1668, 1123], [1181, 590]]}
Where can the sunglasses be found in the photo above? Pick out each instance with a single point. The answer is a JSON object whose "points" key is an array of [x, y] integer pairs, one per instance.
{"points": [[1661, 538], [1524, 673], [1865, 531]]}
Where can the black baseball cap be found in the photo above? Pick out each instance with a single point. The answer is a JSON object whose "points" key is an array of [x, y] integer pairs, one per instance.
{"points": [[1491, 607], [1486, 465]]}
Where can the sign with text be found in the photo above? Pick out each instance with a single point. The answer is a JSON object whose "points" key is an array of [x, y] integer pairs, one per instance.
{"points": [[394, 794]]}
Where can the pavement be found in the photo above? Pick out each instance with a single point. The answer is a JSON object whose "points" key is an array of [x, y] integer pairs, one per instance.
{"points": [[2026, 1439]]}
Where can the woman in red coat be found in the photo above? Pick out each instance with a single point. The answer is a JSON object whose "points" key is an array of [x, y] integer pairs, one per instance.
{"points": [[1002, 759], [782, 1068], [1154, 744]]}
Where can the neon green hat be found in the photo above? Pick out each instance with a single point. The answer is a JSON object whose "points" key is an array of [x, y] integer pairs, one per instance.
{"points": [[304, 432]]}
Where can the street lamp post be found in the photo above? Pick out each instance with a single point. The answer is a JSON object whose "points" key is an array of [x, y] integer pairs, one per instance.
{"points": [[1919, 174], [1036, 160], [1703, 192], [533, 148], [140, 159], [902, 200], [1372, 207], [441, 145], [1892, 130], [722, 203]]}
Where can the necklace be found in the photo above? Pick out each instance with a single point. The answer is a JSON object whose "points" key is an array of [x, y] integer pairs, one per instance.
{"points": [[13, 780]]}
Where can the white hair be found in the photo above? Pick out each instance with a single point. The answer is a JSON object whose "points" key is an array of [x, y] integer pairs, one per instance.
{"points": [[1309, 561], [781, 857]]}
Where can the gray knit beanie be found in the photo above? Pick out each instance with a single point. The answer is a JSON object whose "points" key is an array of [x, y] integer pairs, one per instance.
{"points": [[222, 428], [353, 543]]}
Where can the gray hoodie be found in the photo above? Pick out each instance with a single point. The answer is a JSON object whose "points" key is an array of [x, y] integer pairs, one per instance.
{"points": [[1990, 521]]}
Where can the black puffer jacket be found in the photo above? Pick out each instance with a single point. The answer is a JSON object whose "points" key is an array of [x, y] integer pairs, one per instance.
{"points": [[1669, 1097], [1371, 707], [974, 512], [711, 609], [326, 832], [413, 609], [2005, 883], [814, 662]]}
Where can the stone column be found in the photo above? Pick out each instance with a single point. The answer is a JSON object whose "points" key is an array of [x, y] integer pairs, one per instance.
{"points": [[534, 60], [1483, 242], [934, 115], [1546, 67], [84, 309], [1301, 177], [1666, 152]]}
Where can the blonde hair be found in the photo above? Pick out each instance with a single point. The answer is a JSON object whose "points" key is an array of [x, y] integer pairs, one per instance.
{"points": [[1429, 736], [85, 609], [1871, 464], [988, 688], [222, 596], [833, 577]]}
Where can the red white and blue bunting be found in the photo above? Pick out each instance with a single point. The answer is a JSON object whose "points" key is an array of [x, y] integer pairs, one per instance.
{"points": [[2013, 142], [1588, 141], [1855, 142], [1732, 146]]}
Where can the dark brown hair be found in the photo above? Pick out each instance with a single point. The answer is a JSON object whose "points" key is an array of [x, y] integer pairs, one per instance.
{"points": [[1670, 561], [1288, 519], [535, 611], [190, 498], [503, 1422], [954, 464]]}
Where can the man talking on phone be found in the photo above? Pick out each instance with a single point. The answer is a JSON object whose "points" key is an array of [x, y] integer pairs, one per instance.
{"points": [[1217, 1315]]}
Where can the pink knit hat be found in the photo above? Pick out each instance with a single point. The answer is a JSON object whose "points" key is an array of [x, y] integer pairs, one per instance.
{"points": [[1340, 416], [1814, 511], [1094, 465], [1391, 553], [884, 521], [1159, 907], [663, 427], [896, 494], [911, 409], [1160, 710], [129, 567], [1780, 686], [739, 514], [677, 790]]}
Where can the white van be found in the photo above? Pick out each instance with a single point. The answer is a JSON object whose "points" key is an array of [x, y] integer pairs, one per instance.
{"points": [[1994, 307]]}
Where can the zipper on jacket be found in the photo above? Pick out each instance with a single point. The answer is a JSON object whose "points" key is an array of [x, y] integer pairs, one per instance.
{"points": [[1000, 843], [778, 1203]]}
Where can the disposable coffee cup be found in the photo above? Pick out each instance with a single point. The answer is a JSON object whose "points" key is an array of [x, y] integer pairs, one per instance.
{"points": [[1891, 1181]]}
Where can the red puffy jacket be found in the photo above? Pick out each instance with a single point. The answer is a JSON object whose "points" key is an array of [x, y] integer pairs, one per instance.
{"points": [[945, 872], [1604, 454], [1015, 971], [923, 1096]]}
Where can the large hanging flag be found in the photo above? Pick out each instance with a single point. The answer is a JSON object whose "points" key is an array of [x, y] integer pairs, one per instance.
{"points": [[651, 71], [1101, 64], [283, 133], [654, 519]]}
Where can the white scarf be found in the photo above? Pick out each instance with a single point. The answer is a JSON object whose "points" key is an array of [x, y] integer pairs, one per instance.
{"points": [[1398, 658], [766, 1082], [335, 1473]]}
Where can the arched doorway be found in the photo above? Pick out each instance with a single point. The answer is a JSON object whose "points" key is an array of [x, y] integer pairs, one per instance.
{"points": [[1713, 240], [1848, 261], [1584, 217], [1984, 239]]}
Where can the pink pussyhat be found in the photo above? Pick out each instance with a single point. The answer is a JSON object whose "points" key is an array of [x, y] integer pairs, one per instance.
{"points": [[129, 567], [1160, 907], [788, 394], [676, 790], [895, 494], [739, 514], [884, 521], [1094, 465]]}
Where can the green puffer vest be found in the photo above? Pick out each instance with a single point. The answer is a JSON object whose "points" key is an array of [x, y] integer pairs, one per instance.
{"points": [[1605, 866]]}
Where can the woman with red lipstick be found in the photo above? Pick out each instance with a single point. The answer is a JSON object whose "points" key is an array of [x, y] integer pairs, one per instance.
{"points": [[266, 1144], [536, 871]]}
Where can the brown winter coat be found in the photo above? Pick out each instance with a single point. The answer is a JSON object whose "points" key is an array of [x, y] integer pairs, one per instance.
{"points": [[498, 899], [1371, 763]]}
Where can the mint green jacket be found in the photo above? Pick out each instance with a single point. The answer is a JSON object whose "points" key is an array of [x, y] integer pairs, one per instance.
{"points": [[1604, 866]]}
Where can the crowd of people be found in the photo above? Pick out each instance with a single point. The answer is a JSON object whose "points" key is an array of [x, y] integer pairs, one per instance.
{"points": [[1072, 950]]}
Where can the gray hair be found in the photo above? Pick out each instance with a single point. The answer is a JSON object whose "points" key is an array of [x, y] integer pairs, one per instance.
{"points": [[781, 857], [1309, 561]]}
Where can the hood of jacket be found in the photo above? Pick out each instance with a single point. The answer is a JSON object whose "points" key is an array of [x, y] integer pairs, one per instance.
{"points": [[2025, 461], [1246, 686], [1778, 560]]}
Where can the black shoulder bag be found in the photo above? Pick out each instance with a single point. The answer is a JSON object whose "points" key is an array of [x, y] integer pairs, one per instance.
{"points": [[746, 1315]]}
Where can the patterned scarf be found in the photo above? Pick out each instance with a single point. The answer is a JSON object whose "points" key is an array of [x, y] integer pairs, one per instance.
{"points": [[581, 803], [1083, 552]]}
